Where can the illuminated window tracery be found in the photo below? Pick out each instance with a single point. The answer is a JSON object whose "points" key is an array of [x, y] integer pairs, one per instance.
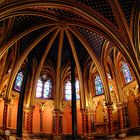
{"points": [[126, 72], [18, 81], [44, 89], [98, 85], [68, 90]]}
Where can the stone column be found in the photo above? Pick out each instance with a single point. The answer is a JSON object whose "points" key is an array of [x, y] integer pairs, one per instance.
{"points": [[73, 101], [137, 101], [28, 120], [41, 120], [106, 122], [92, 126], [84, 122], [57, 123], [122, 132], [5, 111], [110, 119], [125, 115]]}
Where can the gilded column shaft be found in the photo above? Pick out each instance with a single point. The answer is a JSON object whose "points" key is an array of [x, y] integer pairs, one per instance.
{"points": [[5, 111], [41, 120], [121, 116], [5, 116], [28, 120], [57, 123], [125, 116], [84, 121], [110, 119]]}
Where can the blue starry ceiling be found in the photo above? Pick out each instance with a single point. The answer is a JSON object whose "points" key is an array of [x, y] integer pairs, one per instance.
{"points": [[127, 6], [94, 40], [61, 13], [103, 7], [30, 38], [26, 22], [65, 50]]}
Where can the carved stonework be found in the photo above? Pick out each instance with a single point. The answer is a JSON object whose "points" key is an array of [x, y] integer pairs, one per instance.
{"points": [[84, 122], [41, 120], [28, 119], [120, 115], [57, 122], [110, 118], [125, 115], [92, 126], [42, 106], [5, 111]]}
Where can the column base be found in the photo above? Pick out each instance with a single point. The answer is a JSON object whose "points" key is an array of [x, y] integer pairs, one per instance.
{"points": [[122, 134], [84, 137], [111, 136], [18, 138], [57, 138]]}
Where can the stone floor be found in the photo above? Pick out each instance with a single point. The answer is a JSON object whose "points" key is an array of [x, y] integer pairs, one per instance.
{"points": [[25, 138], [131, 138]]}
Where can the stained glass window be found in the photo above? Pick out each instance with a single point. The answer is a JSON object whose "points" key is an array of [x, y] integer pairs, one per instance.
{"points": [[47, 89], [39, 88], [18, 81], [126, 72], [44, 89], [77, 89], [68, 90], [98, 85]]}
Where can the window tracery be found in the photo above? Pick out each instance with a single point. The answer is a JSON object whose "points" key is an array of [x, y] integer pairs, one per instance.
{"points": [[68, 94], [44, 88], [98, 85], [18, 81], [126, 72]]}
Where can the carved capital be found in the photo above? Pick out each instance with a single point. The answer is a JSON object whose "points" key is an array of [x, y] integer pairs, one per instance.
{"points": [[109, 105], [119, 105], [29, 108], [7, 101], [84, 111]]}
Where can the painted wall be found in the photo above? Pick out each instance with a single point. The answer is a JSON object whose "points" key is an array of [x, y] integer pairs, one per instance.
{"points": [[14, 113], [47, 120], [133, 119], [67, 120], [36, 119]]}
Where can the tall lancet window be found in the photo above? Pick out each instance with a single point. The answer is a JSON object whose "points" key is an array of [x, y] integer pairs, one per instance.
{"points": [[39, 88], [44, 88], [77, 89], [68, 93], [126, 72], [98, 85], [47, 89], [68, 90], [18, 81]]}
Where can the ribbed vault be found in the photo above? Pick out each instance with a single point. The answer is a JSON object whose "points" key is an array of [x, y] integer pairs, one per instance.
{"points": [[55, 30]]}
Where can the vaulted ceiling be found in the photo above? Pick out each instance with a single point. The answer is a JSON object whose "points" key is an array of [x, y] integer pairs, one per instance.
{"points": [[70, 24]]}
